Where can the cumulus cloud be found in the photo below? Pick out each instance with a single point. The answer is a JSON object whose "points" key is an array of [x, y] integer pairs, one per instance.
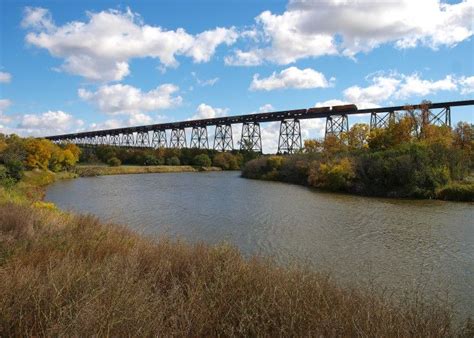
{"points": [[311, 28], [100, 48], [48, 123], [466, 84], [126, 99], [205, 111], [4, 104], [291, 77], [5, 77], [134, 120], [385, 87]]}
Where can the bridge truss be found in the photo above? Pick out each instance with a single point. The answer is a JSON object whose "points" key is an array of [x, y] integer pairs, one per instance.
{"points": [[337, 123]]}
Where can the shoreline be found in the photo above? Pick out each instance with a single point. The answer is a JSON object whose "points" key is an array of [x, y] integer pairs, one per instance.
{"points": [[101, 170]]}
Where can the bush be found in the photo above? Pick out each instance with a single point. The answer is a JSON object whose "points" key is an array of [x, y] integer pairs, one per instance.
{"points": [[15, 169], [114, 162], [173, 161], [227, 161], [457, 192], [5, 180], [202, 160], [335, 176], [152, 160]]}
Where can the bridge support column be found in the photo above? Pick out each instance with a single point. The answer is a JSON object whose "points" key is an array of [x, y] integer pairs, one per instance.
{"points": [[440, 118], [178, 138], [251, 138], [143, 139], [289, 140], [114, 140], [159, 139], [337, 125], [101, 140], [199, 138], [381, 120], [127, 140], [223, 137]]}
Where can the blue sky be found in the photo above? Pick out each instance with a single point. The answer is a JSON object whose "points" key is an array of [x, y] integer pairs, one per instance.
{"points": [[80, 65]]}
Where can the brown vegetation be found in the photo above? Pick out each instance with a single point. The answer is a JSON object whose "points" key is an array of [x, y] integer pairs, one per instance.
{"points": [[62, 274]]}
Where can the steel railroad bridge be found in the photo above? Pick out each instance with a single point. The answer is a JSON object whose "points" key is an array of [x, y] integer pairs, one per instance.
{"points": [[337, 123]]}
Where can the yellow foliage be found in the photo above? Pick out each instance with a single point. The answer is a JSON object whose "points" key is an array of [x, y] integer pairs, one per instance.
{"points": [[358, 136], [334, 175], [44, 205]]}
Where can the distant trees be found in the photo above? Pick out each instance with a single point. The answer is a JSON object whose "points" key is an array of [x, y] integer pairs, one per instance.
{"points": [[168, 156]]}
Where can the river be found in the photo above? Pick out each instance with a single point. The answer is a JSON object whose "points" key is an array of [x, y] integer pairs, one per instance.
{"points": [[398, 245]]}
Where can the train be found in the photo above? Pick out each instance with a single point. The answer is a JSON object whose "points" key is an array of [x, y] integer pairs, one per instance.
{"points": [[336, 109]]}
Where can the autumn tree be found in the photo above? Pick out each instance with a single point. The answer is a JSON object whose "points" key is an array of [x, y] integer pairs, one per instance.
{"points": [[464, 136], [312, 146], [358, 136]]}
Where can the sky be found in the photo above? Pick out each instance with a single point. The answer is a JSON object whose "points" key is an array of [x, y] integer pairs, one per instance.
{"points": [[68, 66]]}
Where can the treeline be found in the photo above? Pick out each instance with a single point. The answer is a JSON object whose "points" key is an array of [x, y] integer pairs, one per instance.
{"points": [[18, 154], [409, 158], [115, 156]]}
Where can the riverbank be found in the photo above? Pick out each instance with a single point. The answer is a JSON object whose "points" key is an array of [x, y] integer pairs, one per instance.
{"points": [[65, 274], [363, 176], [100, 170]]}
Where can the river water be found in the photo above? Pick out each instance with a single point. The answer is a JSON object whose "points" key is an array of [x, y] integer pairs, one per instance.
{"points": [[398, 245]]}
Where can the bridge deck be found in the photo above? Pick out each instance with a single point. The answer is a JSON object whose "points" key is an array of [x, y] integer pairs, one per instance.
{"points": [[301, 114]]}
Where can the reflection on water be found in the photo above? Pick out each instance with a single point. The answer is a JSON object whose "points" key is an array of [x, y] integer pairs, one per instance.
{"points": [[399, 244]]}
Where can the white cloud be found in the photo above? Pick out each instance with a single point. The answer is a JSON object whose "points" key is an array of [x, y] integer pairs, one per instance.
{"points": [[134, 120], [205, 111], [291, 77], [466, 84], [311, 28], [210, 82], [125, 99], [5, 77], [396, 86], [48, 123], [266, 108], [101, 48]]}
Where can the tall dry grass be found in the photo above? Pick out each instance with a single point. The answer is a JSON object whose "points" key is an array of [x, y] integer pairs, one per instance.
{"points": [[63, 274]]}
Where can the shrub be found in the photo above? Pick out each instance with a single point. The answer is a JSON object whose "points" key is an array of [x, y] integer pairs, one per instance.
{"points": [[114, 162], [202, 160], [173, 161], [5, 180], [227, 161], [151, 160], [15, 169], [457, 192], [336, 175]]}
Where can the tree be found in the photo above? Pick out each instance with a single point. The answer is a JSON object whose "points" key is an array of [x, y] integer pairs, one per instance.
{"points": [[334, 175], [202, 160], [312, 146], [38, 153], [114, 162], [69, 159], [358, 136], [464, 136], [75, 150], [174, 160]]}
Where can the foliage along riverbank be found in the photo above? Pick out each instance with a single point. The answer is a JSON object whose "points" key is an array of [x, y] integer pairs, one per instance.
{"points": [[66, 274], [407, 159]]}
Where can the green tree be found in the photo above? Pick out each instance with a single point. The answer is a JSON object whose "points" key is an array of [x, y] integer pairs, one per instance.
{"points": [[202, 160]]}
